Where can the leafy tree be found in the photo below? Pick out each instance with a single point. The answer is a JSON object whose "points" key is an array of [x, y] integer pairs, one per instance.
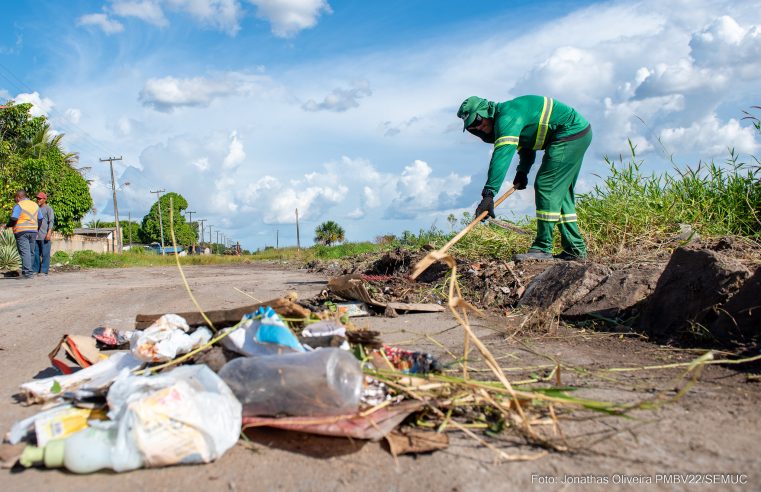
{"points": [[328, 233], [150, 231], [32, 159]]}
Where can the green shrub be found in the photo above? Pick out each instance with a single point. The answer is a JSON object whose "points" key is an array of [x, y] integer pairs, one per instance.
{"points": [[60, 257], [343, 250], [9, 257], [91, 259]]}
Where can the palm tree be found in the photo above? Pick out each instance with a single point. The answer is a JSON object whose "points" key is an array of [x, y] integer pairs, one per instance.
{"points": [[328, 233]]}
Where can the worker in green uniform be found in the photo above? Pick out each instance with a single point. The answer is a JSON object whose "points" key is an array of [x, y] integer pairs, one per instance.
{"points": [[528, 124]]}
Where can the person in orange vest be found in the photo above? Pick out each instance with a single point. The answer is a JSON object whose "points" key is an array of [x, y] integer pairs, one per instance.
{"points": [[25, 220]]}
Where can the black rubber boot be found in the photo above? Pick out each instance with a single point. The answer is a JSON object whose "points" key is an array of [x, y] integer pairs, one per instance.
{"points": [[565, 256], [533, 254]]}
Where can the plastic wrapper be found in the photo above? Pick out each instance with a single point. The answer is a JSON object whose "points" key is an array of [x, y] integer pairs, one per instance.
{"points": [[325, 328], [166, 339], [262, 333], [95, 377]]}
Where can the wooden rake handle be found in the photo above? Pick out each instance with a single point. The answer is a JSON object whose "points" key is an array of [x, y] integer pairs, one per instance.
{"points": [[475, 222]]}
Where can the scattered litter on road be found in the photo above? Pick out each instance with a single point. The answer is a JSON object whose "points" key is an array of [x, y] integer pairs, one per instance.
{"points": [[183, 416]]}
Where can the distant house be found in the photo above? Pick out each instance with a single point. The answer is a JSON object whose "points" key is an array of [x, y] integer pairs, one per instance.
{"points": [[100, 240]]}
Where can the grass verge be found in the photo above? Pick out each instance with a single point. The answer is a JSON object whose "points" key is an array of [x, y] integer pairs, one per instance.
{"points": [[91, 259]]}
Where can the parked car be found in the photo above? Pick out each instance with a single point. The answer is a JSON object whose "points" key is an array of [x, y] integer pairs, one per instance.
{"points": [[167, 249]]}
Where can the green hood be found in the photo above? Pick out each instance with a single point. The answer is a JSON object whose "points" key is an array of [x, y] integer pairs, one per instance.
{"points": [[473, 106]]}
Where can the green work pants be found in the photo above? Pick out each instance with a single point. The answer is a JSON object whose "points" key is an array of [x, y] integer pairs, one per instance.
{"points": [[555, 196]]}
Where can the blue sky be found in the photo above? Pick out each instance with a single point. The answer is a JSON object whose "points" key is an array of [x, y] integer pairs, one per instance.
{"points": [[346, 110]]}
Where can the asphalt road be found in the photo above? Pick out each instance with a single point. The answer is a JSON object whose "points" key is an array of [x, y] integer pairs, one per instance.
{"points": [[714, 429]]}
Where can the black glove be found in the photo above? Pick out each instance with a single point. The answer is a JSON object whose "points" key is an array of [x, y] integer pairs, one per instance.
{"points": [[487, 204], [521, 180]]}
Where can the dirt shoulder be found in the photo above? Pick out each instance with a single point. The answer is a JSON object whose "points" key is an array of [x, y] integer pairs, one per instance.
{"points": [[712, 429]]}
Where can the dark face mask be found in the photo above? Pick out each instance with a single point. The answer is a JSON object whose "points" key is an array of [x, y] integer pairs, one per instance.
{"points": [[486, 137]]}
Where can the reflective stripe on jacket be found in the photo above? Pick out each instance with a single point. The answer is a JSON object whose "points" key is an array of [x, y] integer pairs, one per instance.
{"points": [[27, 220]]}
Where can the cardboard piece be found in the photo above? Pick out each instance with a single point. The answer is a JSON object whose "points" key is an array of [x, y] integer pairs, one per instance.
{"points": [[374, 426], [410, 440], [79, 349]]}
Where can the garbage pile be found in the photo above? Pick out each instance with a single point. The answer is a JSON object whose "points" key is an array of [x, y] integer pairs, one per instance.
{"points": [[180, 388]]}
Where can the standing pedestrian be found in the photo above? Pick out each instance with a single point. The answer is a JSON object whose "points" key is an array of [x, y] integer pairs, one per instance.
{"points": [[527, 124], [25, 220], [41, 262]]}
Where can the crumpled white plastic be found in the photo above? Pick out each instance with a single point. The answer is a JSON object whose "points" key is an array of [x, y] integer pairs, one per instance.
{"points": [[186, 415], [166, 339], [95, 377]]}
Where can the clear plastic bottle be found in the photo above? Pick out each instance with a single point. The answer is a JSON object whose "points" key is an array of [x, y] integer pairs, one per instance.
{"points": [[327, 381]]}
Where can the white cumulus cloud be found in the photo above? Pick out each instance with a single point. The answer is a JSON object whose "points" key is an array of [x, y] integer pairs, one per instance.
{"points": [[236, 154], [570, 73], [101, 21], [145, 10], [223, 15], [712, 137], [168, 93], [41, 106], [288, 17], [340, 100]]}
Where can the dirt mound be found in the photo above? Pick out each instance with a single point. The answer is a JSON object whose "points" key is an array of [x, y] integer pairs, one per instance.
{"points": [[692, 287], [391, 263], [739, 320], [562, 285], [702, 293]]}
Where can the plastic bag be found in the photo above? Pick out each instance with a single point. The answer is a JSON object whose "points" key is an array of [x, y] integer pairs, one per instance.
{"points": [[166, 339], [262, 333], [187, 415]]}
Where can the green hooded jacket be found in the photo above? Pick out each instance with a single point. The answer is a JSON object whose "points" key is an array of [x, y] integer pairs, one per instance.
{"points": [[525, 124]]}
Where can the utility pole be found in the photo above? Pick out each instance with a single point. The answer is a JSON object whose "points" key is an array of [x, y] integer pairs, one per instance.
{"points": [[298, 240], [193, 245], [277, 239], [217, 238], [202, 236], [110, 161], [210, 233], [129, 221], [161, 224]]}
